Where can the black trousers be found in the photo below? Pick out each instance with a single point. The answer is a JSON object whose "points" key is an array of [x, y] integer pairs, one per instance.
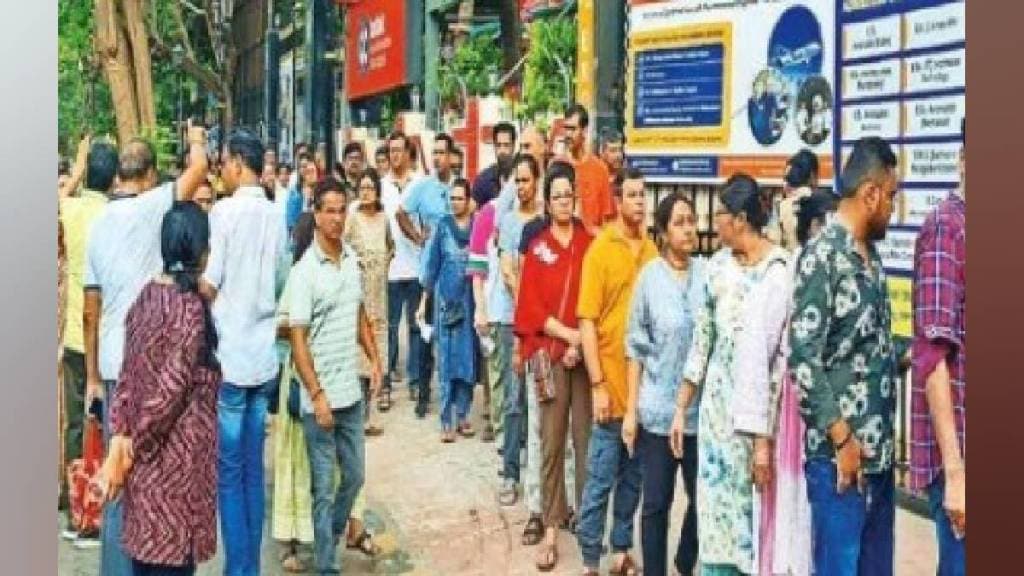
{"points": [[659, 466]]}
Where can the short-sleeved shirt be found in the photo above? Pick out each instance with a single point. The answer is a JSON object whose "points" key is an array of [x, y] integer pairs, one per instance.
{"points": [[77, 215], [596, 203], [661, 322], [248, 265], [326, 296], [841, 349], [940, 332], [123, 254], [610, 271], [427, 198], [406, 263]]}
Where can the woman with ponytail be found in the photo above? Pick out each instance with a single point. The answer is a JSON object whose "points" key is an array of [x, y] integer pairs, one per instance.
{"points": [[164, 410]]}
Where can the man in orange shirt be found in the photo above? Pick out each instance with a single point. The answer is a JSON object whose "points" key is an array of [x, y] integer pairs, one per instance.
{"points": [[593, 181], [610, 269]]}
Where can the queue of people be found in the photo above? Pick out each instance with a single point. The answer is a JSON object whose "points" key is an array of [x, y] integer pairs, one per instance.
{"points": [[765, 374]]}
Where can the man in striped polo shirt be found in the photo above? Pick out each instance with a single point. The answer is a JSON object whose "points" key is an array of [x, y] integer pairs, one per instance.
{"points": [[328, 324]]}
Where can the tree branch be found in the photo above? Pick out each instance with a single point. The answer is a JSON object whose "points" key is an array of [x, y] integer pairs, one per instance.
{"points": [[206, 77], [180, 21]]}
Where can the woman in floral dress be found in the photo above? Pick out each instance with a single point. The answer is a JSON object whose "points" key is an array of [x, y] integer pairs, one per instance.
{"points": [[725, 483], [367, 232]]}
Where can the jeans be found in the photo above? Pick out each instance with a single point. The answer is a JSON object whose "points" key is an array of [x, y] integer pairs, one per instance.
{"points": [[341, 446], [854, 533], [952, 552], [659, 470], [513, 407], [405, 294], [456, 399], [143, 569], [241, 415], [113, 560], [608, 466]]}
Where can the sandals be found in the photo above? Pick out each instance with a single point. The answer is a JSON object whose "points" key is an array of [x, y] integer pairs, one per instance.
{"points": [[292, 565], [627, 568], [466, 430], [534, 531], [373, 430], [447, 437], [384, 402], [488, 434], [365, 544], [548, 559], [509, 494]]}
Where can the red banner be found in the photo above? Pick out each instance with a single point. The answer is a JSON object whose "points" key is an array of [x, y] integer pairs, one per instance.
{"points": [[375, 47]]}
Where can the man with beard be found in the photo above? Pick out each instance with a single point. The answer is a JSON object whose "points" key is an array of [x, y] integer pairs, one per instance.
{"points": [[489, 183], [843, 359]]}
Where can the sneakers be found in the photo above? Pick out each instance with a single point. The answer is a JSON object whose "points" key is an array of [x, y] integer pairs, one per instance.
{"points": [[87, 541]]}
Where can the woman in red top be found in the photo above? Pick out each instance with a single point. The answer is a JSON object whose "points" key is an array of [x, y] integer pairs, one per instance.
{"points": [[545, 321], [164, 411]]}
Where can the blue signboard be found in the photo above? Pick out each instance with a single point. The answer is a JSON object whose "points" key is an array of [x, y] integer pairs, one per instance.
{"points": [[679, 87]]}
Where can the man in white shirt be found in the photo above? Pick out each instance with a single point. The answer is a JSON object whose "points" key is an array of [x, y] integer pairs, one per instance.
{"points": [[404, 289], [122, 255], [244, 275]]}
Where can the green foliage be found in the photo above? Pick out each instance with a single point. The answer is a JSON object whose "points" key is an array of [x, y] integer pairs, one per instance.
{"points": [[83, 98], [474, 62], [544, 88]]}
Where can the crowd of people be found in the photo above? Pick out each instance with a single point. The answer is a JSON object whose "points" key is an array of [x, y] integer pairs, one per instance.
{"points": [[611, 356]]}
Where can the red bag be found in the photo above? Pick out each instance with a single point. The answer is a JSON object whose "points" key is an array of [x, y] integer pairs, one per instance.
{"points": [[85, 507]]}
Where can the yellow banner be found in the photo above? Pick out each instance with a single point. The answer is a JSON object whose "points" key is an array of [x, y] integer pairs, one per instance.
{"points": [[586, 62], [900, 298]]}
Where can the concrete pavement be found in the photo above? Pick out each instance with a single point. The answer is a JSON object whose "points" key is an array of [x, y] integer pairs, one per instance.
{"points": [[434, 509]]}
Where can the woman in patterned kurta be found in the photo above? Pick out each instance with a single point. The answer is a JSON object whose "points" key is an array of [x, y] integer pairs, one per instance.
{"points": [[368, 233], [165, 406], [725, 487]]}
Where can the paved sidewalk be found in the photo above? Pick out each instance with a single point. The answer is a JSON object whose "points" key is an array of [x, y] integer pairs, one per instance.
{"points": [[435, 512]]}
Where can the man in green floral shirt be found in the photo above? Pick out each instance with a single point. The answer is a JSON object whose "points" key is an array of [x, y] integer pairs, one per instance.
{"points": [[843, 359]]}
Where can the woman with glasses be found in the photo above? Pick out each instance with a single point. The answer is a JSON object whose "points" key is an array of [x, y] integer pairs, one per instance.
{"points": [[730, 460], [367, 232], [546, 323], [443, 276]]}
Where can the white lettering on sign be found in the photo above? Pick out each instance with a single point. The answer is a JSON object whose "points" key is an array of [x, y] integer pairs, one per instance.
{"points": [[935, 26], [897, 250], [918, 204], [871, 80], [882, 120], [377, 26], [931, 162], [941, 71], [873, 38], [934, 116]]}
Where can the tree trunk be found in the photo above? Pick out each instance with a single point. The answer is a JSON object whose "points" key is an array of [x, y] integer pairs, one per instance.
{"points": [[508, 19], [135, 27], [114, 55]]}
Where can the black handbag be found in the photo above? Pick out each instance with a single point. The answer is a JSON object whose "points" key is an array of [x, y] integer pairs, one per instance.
{"points": [[295, 399]]}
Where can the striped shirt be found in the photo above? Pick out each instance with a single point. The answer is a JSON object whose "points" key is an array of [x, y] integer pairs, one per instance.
{"points": [[326, 296]]}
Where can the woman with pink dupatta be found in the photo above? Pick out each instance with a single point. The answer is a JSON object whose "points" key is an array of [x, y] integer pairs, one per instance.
{"points": [[766, 406]]}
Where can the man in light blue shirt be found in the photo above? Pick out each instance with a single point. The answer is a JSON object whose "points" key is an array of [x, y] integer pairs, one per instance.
{"points": [[244, 274], [427, 200], [122, 255]]}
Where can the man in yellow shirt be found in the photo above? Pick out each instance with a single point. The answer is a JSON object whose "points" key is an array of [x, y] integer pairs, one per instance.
{"points": [[76, 215], [610, 270]]}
